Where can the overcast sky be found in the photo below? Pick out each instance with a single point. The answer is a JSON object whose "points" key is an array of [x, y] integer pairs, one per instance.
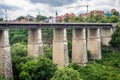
{"points": [[17, 8]]}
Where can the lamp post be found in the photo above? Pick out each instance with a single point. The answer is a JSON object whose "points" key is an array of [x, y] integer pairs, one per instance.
{"points": [[6, 17]]}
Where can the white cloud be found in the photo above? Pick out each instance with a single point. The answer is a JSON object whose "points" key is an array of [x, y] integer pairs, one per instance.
{"points": [[25, 7]]}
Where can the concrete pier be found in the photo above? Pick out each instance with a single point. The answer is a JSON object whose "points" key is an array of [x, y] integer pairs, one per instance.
{"points": [[5, 56], [60, 47], [106, 34], [35, 44], [94, 43], [79, 50]]}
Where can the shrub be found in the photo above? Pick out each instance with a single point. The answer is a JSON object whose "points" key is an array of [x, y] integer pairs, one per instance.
{"points": [[66, 74]]}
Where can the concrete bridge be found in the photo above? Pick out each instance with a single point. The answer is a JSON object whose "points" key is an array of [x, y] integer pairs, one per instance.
{"points": [[81, 42]]}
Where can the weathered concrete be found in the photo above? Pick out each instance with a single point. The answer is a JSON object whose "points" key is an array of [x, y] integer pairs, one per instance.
{"points": [[106, 34], [79, 50], [35, 44], [94, 43], [5, 56], [60, 47]]}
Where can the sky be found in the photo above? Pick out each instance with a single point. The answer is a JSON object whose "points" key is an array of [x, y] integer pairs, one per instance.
{"points": [[17, 8]]}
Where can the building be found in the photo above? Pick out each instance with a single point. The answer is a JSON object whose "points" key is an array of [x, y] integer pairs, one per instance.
{"points": [[113, 10], [97, 12], [84, 15], [30, 18], [108, 14], [61, 18]]}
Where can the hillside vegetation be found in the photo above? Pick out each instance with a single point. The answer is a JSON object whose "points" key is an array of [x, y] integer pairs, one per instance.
{"points": [[42, 68]]}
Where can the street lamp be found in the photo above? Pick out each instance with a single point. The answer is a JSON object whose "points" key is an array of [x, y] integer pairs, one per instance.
{"points": [[6, 17]]}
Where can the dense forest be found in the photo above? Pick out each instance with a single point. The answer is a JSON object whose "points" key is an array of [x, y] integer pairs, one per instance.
{"points": [[42, 68]]}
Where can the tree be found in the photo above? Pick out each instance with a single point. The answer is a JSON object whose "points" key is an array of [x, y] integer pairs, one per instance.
{"points": [[1, 19], [40, 17], [19, 49], [30, 19], [91, 18], [116, 13], [27, 70], [115, 41], [114, 19], [70, 50], [79, 19], [98, 18], [18, 36], [1, 78], [19, 18], [47, 52], [44, 69], [40, 69], [106, 20], [66, 74], [19, 57], [67, 19]]}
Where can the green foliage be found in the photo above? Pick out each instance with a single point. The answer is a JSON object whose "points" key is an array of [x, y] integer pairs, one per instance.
{"points": [[1, 78], [19, 56], [40, 17], [19, 18], [108, 68], [17, 36], [19, 49], [116, 13], [1, 19], [30, 19], [74, 66], [91, 18], [79, 19], [27, 70], [40, 69], [66, 74], [69, 33], [47, 52], [24, 76], [114, 19], [98, 18], [95, 18], [44, 69], [115, 41], [97, 72], [70, 50], [67, 19], [47, 35], [106, 20]]}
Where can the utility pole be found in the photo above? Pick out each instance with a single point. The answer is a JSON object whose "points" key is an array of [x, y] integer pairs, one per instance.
{"points": [[80, 6]]}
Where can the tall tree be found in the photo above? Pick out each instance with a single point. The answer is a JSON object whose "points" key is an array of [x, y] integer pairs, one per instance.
{"points": [[1, 19]]}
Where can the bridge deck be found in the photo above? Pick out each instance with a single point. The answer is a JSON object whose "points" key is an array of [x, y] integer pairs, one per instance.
{"points": [[34, 25]]}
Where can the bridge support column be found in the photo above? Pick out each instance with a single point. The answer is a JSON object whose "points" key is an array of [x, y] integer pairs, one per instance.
{"points": [[106, 34], [79, 50], [35, 44], [94, 43], [5, 56], [60, 47]]}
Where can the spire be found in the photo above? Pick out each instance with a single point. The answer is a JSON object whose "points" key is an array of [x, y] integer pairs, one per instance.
{"points": [[56, 13]]}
